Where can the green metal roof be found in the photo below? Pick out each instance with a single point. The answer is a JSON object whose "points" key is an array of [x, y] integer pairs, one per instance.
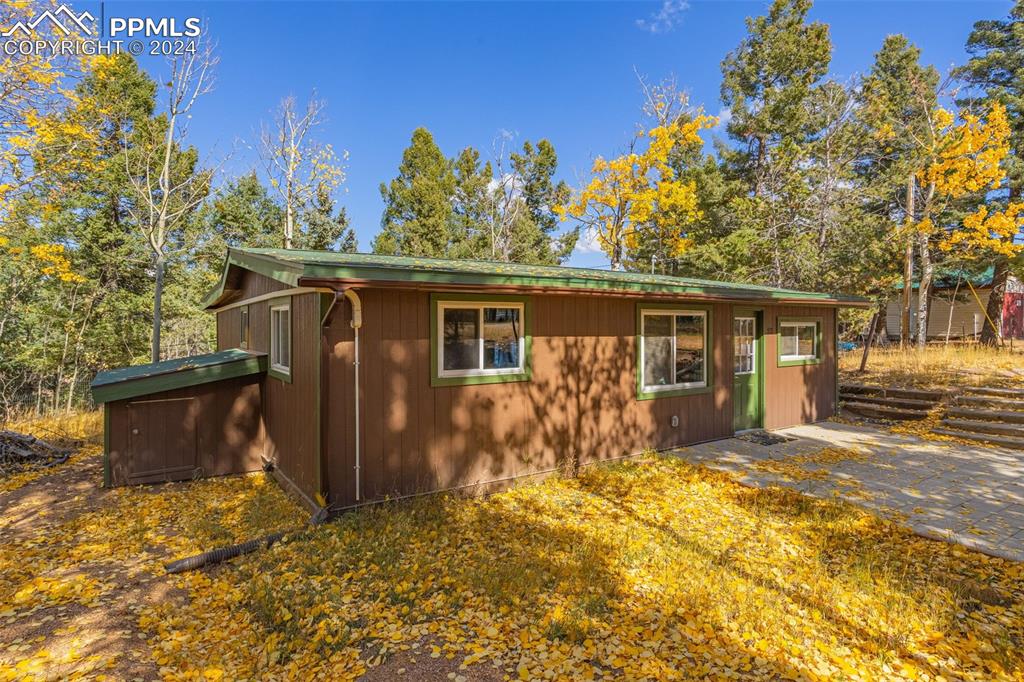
{"points": [[292, 266], [130, 382], [947, 278]]}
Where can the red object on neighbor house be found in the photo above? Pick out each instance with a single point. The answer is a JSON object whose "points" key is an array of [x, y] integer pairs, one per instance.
{"points": [[1013, 315]]}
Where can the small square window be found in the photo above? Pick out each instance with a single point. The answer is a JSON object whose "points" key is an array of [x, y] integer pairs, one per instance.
{"points": [[799, 341]]}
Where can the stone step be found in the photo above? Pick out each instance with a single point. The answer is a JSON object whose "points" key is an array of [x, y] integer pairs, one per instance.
{"points": [[998, 428], [1008, 403], [884, 412], [978, 413], [887, 392], [992, 390], [1002, 441], [907, 403]]}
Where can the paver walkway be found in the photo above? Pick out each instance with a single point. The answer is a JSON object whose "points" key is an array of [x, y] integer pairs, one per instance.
{"points": [[972, 495]]}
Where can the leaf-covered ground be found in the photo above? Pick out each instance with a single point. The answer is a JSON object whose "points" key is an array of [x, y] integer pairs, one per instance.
{"points": [[651, 569], [79, 564]]}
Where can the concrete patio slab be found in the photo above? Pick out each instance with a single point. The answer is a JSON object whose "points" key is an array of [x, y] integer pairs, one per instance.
{"points": [[967, 494]]}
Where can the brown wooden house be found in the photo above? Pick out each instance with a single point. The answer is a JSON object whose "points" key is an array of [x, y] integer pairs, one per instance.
{"points": [[363, 377]]}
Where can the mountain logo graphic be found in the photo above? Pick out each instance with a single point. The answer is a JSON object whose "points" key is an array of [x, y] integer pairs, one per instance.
{"points": [[63, 19]]}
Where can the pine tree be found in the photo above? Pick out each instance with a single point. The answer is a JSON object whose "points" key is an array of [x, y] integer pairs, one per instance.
{"points": [[325, 229], [995, 72], [473, 227], [241, 213], [898, 97], [534, 239], [768, 83], [417, 218]]}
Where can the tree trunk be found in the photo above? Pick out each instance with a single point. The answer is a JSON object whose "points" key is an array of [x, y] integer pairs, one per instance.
{"points": [[616, 260], [908, 269], [872, 333], [994, 310], [157, 307], [952, 305], [289, 224], [924, 291]]}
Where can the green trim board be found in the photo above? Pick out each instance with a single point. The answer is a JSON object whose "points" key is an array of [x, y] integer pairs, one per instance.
{"points": [[817, 342], [106, 445], [527, 372], [248, 259], [130, 382], [709, 361], [292, 266]]}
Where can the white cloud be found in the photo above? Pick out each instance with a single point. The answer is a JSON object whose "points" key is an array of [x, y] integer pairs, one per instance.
{"points": [[588, 243], [666, 19], [724, 116]]}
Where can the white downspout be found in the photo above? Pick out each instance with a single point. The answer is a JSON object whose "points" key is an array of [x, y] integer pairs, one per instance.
{"points": [[357, 322]]}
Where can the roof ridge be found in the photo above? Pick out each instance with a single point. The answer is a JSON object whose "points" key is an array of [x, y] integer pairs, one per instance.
{"points": [[282, 254]]}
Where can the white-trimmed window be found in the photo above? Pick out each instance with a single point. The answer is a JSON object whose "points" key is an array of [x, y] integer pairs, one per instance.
{"points": [[281, 338], [673, 349], [480, 338], [798, 340], [744, 336]]}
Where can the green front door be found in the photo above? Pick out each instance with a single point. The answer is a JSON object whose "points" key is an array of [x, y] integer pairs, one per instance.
{"points": [[748, 361]]}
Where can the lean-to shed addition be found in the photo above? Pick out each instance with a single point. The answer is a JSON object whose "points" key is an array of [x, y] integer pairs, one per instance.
{"points": [[388, 377]]}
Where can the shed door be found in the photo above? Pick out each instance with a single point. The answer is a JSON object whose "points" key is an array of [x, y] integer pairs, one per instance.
{"points": [[748, 372], [163, 440]]}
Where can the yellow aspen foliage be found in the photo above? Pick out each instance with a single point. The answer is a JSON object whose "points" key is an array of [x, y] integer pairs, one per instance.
{"points": [[991, 231], [54, 263], [639, 191], [38, 105], [966, 158]]}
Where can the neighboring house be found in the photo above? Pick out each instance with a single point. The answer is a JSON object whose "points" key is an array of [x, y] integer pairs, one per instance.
{"points": [[954, 308], [363, 377]]}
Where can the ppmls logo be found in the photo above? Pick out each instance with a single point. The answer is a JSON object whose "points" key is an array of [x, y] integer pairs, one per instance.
{"points": [[63, 20]]}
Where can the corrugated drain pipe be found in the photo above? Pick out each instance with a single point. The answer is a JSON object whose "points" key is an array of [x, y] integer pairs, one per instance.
{"points": [[216, 556]]}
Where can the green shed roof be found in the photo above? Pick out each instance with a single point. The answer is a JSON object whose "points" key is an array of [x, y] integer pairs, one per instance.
{"points": [[130, 382], [296, 267]]}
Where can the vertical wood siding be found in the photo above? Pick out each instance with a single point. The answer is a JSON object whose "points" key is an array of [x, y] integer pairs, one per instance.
{"points": [[290, 416], [223, 417], [803, 393], [581, 402]]}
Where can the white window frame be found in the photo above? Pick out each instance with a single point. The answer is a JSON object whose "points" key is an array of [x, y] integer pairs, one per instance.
{"points": [[656, 312], [243, 327], [479, 307], [753, 345], [797, 325], [274, 341]]}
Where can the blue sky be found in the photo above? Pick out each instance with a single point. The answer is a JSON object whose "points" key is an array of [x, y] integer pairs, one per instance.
{"points": [[467, 71]]}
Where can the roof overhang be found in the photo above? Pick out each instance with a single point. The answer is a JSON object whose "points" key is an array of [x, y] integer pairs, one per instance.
{"points": [[703, 294], [156, 377], [341, 276]]}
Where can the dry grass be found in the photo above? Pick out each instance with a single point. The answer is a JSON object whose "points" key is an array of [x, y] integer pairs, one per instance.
{"points": [[80, 431], [62, 427], [936, 366]]}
